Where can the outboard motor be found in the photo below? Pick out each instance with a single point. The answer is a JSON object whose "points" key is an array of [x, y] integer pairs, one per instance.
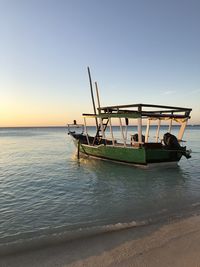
{"points": [[171, 141]]}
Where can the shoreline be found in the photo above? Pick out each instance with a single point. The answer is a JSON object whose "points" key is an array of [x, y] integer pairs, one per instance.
{"points": [[174, 244]]}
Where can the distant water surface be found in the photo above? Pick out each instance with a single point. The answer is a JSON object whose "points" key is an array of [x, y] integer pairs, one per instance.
{"points": [[45, 191]]}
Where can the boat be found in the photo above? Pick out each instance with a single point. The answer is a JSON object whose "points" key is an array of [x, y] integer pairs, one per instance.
{"points": [[125, 145]]}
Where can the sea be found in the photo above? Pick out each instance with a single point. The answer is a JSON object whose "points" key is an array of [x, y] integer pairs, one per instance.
{"points": [[49, 196]]}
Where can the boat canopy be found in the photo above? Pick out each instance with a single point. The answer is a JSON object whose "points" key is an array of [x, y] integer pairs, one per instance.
{"points": [[142, 111]]}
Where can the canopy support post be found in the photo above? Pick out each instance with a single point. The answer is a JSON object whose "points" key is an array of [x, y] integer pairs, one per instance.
{"points": [[140, 125], [158, 130], [85, 125], [170, 126], [182, 130], [111, 132], [147, 131], [122, 132]]}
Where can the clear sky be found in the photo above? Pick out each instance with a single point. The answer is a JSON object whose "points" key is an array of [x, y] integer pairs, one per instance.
{"points": [[139, 51]]}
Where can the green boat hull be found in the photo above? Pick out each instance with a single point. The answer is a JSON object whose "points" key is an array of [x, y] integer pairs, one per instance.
{"points": [[131, 155]]}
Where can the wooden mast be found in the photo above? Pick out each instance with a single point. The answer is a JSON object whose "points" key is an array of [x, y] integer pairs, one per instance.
{"points": [[92, 95], [99, 110]]}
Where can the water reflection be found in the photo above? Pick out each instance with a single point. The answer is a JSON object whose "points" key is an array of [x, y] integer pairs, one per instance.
{"points": [[44, 187], [135, 193]]}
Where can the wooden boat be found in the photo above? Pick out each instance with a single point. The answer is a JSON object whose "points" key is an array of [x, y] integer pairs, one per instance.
{"points": [[135, 148]]}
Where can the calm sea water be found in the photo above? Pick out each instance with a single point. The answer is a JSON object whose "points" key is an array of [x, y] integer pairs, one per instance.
{"points": [[46, 193]]}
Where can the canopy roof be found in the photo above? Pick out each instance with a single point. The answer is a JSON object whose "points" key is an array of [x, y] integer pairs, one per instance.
{"points": [[142, 110]]}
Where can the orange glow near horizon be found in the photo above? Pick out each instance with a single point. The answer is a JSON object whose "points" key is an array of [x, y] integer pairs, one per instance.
{"points": [[16, 111], [17, 118], [20, 111]]}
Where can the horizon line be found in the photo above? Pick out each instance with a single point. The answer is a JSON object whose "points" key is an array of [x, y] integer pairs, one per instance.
{"points": [[65, 126]]}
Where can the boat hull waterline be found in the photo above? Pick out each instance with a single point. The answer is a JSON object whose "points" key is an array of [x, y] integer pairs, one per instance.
{"points": [[130, 155]]}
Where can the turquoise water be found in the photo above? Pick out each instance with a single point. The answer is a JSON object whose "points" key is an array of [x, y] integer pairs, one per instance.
{"points": [[46, 193]]}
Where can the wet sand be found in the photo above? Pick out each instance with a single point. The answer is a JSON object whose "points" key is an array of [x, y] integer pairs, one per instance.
{"points": [[174, 244]]}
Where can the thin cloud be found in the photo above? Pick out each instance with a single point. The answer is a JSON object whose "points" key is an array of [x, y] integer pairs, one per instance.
{"points": [[169, 92], [195, 91]]}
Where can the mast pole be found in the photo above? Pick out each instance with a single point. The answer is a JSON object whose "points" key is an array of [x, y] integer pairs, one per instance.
{"points": [[92, 95], [99, 110], [98, 99]]}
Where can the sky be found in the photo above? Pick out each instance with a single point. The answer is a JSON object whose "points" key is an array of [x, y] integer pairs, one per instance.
{"points": [[139, 51]]}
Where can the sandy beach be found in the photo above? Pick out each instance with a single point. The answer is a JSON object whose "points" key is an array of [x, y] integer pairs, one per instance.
{"points": [[174, 244]]}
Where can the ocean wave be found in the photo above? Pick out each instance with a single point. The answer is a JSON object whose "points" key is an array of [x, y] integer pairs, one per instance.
{"points": [[38, 241], [45, 238]]}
